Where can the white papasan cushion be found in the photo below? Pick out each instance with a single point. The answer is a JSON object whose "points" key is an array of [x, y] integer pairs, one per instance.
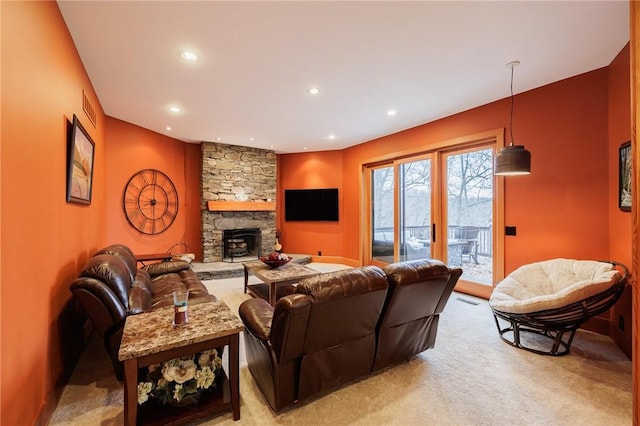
{"points": [[551, 284]]}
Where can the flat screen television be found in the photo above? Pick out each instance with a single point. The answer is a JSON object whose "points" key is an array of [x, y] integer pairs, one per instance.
{"points": [[311, 204]]}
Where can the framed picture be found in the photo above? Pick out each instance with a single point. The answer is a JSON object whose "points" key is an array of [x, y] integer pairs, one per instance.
{"points": [[80, 153], [624, 197]]}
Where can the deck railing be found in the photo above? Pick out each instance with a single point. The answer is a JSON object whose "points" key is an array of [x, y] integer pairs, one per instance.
{"points": [[485, 236]]}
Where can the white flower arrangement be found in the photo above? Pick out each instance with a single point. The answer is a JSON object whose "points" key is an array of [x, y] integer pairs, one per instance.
{"points": [[172, 380]]}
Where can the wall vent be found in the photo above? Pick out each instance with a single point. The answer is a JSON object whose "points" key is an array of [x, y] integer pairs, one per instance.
{"points": [[470, 302], [88, 109]]}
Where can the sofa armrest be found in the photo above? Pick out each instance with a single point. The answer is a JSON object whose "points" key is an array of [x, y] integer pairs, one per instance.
{"points": [[100, 303], [168, 267], [256, 314]]}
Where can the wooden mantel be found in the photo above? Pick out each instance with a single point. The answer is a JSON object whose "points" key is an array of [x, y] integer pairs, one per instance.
{"points": [[241, 206]]}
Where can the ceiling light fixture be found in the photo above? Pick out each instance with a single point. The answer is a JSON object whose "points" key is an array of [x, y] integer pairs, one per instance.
{"points": [[174, 109], [168, 128], [512, 160], [189, 55], [331, 137], [391, 112], [314, 91]]}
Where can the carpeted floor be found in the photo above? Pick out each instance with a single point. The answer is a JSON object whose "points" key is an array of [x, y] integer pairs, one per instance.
{"points": [[470, 378]]}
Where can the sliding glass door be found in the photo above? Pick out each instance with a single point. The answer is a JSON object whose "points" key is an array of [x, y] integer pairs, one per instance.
{"points": [[440, 205], [415, 209], [382, 184], [469, 206]]}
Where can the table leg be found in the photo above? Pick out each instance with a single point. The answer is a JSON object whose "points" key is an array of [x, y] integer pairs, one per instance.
{"points": [[272, 293], [246, 277], [130, 391], [234, 374]]}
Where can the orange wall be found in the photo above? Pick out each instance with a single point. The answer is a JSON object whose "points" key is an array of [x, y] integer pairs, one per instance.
{"points": [[45, 240], [620, 222], [561, 209], [619, 132], [130, 149], [313, 170]]}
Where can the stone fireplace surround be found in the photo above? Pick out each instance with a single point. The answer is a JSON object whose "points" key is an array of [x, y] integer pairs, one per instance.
{"points": [[236, 173]]}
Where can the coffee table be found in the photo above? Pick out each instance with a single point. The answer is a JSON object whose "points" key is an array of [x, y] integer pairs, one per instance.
{"points": [[150, 338], [287, 274]]}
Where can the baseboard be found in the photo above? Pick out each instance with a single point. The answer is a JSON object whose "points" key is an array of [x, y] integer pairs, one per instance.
{"points": [[336, 259], [621, 340], [598, 325]]}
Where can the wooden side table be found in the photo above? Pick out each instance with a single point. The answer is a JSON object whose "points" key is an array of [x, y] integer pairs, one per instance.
{"points": [[150, 338]]}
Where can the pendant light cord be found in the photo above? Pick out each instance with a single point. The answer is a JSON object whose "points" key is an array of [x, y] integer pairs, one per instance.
{"points": [[511, 115]]}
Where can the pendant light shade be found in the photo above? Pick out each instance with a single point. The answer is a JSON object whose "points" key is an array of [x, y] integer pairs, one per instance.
{"points": [[512, 160]]}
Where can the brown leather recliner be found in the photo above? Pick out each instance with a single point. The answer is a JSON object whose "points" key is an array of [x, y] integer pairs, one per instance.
{"points": [[110, 287], [418, 293], [340, 326], [319, 337]]}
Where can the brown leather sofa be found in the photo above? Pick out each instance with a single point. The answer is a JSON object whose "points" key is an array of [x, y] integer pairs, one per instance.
{"points": [[110, 287], [339, 326]]}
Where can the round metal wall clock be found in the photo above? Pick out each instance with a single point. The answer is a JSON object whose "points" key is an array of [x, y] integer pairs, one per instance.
{"points": [[150, 201]]}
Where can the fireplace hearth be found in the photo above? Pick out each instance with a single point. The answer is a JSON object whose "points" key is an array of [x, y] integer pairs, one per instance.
{"points": [[240, 245]]}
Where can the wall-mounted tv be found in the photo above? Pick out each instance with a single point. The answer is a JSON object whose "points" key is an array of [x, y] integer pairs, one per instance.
{"points": [[311, 204]]}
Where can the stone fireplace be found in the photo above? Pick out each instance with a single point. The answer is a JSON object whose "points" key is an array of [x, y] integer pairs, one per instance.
{"points": [[245, 178]]}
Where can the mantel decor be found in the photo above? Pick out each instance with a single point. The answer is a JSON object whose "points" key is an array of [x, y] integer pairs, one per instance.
{"points": [[80, 154], [624, 191]]}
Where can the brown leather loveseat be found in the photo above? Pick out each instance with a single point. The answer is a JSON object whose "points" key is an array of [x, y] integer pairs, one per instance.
{"points": [[110, 287], [339, 326]]}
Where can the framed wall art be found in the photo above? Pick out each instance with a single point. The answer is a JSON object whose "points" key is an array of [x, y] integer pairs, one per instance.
{"points": [[80, 155], [624, 167]]}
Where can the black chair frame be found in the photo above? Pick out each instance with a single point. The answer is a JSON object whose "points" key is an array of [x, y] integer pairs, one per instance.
{"points": [[560, 324]]}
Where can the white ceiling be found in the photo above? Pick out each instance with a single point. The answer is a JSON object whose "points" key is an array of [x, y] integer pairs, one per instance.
{"points": [[426, 60]]}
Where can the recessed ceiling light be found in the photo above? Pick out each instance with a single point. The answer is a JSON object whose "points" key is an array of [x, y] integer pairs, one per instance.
{"points": [[175, 109], [168, 128], [271, 146], [189, 55], [305, 148], [218, 139], [314, 91], [252, 139], [331, 136], [391, 112]]}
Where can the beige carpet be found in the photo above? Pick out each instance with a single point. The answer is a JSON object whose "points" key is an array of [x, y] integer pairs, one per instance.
{"points": [[470, 378]]}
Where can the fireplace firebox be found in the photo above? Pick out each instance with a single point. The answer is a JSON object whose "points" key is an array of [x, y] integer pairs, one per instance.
{"points": [[240, 245]]}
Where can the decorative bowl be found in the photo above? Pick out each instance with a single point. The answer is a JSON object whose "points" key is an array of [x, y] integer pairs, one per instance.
{"points": [[275, 263]]}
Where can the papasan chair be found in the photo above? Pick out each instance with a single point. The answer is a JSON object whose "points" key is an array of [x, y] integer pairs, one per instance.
{"points": [[542, 304]]}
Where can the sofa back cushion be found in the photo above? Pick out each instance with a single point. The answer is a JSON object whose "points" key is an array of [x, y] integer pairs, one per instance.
{"points": [[340, 337], [416, 289], [418, 292], [125, 254], [111, 271], [289, 326]]}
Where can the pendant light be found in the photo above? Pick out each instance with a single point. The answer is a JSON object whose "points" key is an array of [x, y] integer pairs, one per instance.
{"points": [[512, 160]]}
